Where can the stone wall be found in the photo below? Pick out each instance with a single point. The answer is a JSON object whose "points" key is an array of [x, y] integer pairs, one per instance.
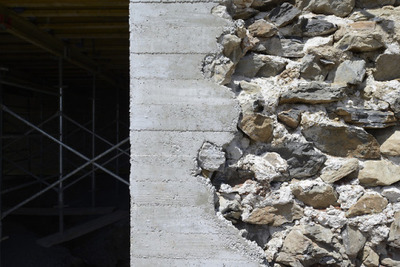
{"points": [[174, 110], [312, 174]]}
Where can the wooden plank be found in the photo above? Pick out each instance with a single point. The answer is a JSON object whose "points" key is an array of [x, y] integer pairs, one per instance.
{"points": [[82, 229], [67, 211]]}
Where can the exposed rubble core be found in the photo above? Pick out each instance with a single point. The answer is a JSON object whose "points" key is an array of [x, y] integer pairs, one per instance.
{"points": [[313, 173]]}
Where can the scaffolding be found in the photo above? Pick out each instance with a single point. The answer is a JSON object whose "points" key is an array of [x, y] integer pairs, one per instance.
{"points": [[70, 172]]}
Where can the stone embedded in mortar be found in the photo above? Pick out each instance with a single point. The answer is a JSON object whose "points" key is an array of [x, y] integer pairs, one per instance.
{"points": [[392, 194], [349, 194], [369, 257], [267, 167], [337, 139], [367, 118], [317, 27], [262, 28], [313, 93], [379, 172], [317, 195], [290, 117], [258, 127], [318, 233], [373, 3], [283, 14], [335, 169], [270, 46], [387, 67], [242, 3], [340, 8], [312, 68], [219, 69], [254, 64], [369, 203], [350, 72], [211, 157], [360, 41], [231, 44], [304, 161], [292, 48], [243, 13], [394, 234], [275, 215], [391, 146], [353, 241], [229, 206], [388, 262]]}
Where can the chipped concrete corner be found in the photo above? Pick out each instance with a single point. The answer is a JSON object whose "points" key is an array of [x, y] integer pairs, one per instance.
{"points": [[174, 111]]}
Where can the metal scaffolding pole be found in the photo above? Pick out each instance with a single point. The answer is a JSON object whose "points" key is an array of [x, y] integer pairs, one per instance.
{"points": [[92, 161], [60, 185], [93, 140], [1, 169]]}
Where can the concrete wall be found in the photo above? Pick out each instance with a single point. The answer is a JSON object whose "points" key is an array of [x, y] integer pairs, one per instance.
{"points": [[174, 110]]}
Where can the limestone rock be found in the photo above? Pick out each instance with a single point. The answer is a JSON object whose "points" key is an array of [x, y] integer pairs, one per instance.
{"points": [[262, 28], [231, 44], [294, 249], [335, 170], [369, 203], [369, 257], [317, 195], [391, 147], [340, 140], [243, 3], [211, 157], [373, 3], [317, 27], [392, 193], [350, 72], [250, 88], [388, 262], [254, 64], [360, 41], [379, 172], [266, 168], [275, 215], [387, 67], [367, 118], [318, 233], [292, 48], [283, 14], [353, 241], [258, 127], [219, 69], [312, 68], [270, 46], [394, 234], [230, 207], [290, 117], [313, 93], [304, 161], [340, 8], [244, 13]]}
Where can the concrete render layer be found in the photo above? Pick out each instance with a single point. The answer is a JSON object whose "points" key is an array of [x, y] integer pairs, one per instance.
{"points": [[174, 110]]}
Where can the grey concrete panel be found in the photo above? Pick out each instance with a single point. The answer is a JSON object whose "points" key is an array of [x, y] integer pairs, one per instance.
{"points": [[170, 66], [163, 262]]}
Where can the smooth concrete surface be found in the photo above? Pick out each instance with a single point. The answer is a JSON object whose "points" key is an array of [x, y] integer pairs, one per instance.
{"points": [[174, 110]]}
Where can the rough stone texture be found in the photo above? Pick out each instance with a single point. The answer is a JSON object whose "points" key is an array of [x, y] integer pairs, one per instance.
{"points": [[340, 140], [258, 127], [360, 42], [313, 93], [339, 8], [173, 211], [259, 65], [262, 28], [394, 234], [387, 67], [335, 170], [317, 27], [369, 257], [391, 147], [367, 204], [350, 72], [211, 157], [283, 14], [353, 241], [275, 215], [317, 195], [373, 3], [290, 117], [367, 118], [379, 172]]}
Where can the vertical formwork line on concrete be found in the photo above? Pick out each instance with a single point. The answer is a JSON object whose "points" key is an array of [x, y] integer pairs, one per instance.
{"points": [[60, 185], [93, 140]]}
